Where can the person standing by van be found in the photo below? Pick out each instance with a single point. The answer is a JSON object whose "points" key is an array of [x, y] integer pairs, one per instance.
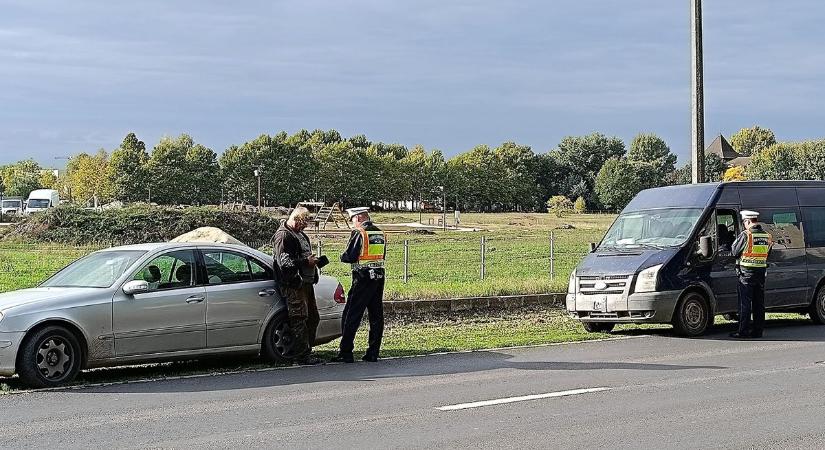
{"points": [[751, 248]]}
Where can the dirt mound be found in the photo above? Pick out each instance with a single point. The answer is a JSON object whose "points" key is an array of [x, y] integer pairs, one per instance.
{"points": [[207, 234]]}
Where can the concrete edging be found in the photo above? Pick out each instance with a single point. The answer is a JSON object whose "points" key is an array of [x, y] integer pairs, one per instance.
{"points": [[503, 302]]}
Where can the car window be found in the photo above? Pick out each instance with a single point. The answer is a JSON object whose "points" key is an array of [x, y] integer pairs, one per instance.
{"points": [[224, 267], [726, 229], [169, 271], [259, 271], [784, 226]]}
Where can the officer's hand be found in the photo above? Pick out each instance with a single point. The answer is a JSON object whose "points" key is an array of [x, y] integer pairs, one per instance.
{"points": [[312, 260]]}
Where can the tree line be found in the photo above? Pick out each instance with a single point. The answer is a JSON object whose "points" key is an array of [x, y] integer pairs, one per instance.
{"points": [[595, 170]]}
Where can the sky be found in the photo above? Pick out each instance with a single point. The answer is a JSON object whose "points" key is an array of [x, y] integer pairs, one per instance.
{"points": [[447, 74]]}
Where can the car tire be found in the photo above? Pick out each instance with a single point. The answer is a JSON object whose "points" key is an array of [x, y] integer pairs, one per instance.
{"points": [[598, 327], [693, 316], [817, 308], [278, 340], [49, 357]]}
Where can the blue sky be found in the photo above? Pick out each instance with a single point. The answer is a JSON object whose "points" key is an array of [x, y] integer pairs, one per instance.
{"points": [[77, 76]]}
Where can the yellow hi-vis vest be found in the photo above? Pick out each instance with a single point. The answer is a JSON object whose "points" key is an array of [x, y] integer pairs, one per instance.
{"points": [[373, 245], [756, 252]]}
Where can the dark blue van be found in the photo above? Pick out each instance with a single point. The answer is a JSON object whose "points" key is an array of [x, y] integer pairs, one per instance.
{"points": [[667, 257]]}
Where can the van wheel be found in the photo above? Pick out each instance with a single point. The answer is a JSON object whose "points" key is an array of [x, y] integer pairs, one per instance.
{"points": [[817, 309], [598, 327], [278, 340], [49, 357], [692, 316]]}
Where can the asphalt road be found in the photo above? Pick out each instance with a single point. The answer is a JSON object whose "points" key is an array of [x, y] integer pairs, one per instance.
{"points": [[659, 392]]}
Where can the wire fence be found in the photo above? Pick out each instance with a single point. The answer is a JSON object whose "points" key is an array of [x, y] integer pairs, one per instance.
{"points": [[417, 266]]}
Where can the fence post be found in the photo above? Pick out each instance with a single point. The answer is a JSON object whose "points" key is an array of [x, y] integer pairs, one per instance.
{"points": [[406, 259], [552, 256], [483, 257]]}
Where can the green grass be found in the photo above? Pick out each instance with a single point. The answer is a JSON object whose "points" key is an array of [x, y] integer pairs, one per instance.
{"points": [[441, 265]]}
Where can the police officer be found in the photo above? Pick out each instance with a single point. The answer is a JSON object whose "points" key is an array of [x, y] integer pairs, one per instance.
{"points": [[751, 248], [365, 253]]}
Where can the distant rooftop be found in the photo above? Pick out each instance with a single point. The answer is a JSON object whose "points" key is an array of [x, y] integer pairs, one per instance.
{"points": [[722, 148]]}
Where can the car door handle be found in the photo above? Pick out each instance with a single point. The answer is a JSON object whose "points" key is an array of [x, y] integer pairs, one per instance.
{"points": [[266, 293], [195, 299]]}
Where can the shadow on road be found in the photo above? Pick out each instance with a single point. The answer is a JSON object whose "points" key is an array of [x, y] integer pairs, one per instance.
{"points": [[776, 330], [365, 372]]}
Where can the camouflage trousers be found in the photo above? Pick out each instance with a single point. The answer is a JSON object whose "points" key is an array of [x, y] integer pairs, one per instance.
{"points": [[303, 318]]}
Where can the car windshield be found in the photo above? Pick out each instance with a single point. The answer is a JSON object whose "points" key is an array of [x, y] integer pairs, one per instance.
{"points": [[98, 270], [11, 204], [651, 228], [38, 203]]}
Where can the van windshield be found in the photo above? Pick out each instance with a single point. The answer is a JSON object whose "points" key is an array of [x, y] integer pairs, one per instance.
{"points": [[36, 203], [11, 203], [651, 228]]}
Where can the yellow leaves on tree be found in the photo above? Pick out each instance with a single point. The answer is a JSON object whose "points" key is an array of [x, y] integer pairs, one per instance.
{"points": [[735, 174]]}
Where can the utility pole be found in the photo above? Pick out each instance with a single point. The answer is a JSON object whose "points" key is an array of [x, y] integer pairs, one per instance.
{"points": [[258, 176], [697, 95]]}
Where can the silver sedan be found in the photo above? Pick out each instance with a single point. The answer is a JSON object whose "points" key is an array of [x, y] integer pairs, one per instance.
{"points": [[152, 302]]}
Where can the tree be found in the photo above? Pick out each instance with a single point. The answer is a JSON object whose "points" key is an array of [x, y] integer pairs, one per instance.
{"points": [[48, 180], [128, 170], [519, 181], [618, 181], [789, 161], [580, 206], [653, 150], [715, 168], [559, 205], [583, 157], [735, 174], [183, 172], [87, 178], [20, 178], [749, 141]]}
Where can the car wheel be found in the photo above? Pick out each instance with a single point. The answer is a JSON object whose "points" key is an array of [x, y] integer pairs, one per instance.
{"points": [[278, 340], [692, 316], [598, 327], [817, 309], [50, 357]]}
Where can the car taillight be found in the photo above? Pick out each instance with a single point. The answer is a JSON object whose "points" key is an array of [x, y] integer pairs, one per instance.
{"points": [[339, 294]]}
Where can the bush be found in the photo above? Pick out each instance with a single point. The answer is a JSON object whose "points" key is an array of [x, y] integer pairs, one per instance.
{"points": [[559, 205], [138, 224]]}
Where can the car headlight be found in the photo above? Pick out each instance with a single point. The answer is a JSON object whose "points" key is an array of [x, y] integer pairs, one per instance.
{"points": [[647, 279], [571, 283]]}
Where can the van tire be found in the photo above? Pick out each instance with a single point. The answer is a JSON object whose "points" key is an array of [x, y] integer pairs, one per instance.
{"points": [[598, 327], [817, 308], [693, 315]]}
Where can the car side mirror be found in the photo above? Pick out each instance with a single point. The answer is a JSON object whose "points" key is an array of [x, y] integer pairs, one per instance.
{"points": [[592, 247], [136, 287], [705, 247]]}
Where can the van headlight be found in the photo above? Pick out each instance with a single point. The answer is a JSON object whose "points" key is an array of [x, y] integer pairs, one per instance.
{"points": [[571, 283], [647, 279]]}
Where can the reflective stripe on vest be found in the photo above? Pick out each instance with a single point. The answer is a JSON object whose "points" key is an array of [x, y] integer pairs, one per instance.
{"points": [[372, 246], [756, 252]]}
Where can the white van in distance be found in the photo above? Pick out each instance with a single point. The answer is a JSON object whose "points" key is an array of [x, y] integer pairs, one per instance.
{"points": [[41, 200]]}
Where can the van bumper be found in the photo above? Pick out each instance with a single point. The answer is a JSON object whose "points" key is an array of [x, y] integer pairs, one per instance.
{"points": [[649, 307], [9, 344]]}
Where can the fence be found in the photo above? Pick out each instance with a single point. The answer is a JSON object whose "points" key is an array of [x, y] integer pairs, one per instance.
{"points": [[418, 266]]}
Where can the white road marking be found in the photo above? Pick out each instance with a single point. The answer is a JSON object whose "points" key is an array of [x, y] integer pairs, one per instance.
{"points": [[524, 398]]}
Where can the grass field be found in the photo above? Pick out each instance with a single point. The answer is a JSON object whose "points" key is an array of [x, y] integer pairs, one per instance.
{"points": [[445, 264]]}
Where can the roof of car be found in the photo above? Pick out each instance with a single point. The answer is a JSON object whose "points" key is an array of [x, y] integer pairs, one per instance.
{"points": [[161, 245]]}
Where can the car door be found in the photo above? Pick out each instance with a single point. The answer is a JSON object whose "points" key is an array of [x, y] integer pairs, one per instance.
{"points": [[787, 274], [240, 292], [170, 317], [723, 274]]}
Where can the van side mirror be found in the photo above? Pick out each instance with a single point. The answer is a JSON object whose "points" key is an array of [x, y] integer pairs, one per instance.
{"points": [[705, 247], [592, 247], [136, 287]]}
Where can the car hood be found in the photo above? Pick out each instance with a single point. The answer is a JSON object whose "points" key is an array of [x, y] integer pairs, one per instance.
{"points": [[625, 262], [45, 295]]}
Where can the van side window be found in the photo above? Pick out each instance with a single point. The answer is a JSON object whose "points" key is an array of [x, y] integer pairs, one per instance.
{"points": [[726, 229], [784, 226], [814, 219]]}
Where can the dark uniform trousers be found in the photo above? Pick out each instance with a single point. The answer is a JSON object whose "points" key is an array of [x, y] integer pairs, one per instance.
{"points": [[365, 294], [751, 289], [303, 318]]}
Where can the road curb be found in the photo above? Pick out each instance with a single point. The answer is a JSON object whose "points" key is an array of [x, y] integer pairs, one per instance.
{"points": [[467, 304]]}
